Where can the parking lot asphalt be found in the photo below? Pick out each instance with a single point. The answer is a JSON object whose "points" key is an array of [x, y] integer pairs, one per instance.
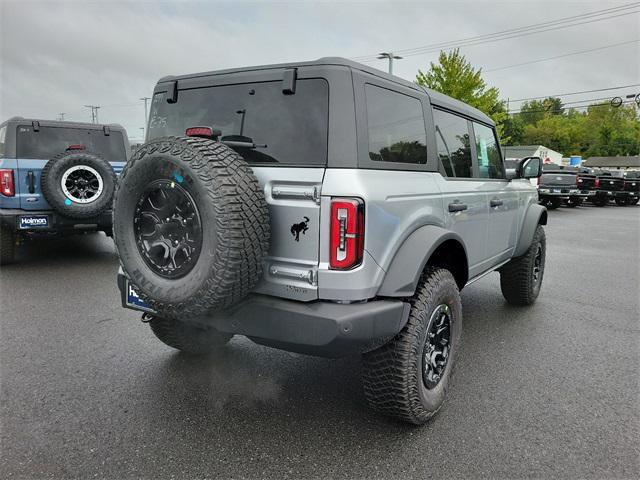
{"points": [[547, 391]]}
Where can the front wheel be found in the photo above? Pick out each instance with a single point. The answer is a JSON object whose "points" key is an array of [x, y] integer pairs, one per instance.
{"points": [[621, 202], [521, 278], [633, 201], [188, 337], [600, 202], [408, 378]]}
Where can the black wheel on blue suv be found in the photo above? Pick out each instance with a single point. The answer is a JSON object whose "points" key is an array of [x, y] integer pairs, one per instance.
{"points": [[191, 226], [521, 278], [408, 377], [78, 184]]}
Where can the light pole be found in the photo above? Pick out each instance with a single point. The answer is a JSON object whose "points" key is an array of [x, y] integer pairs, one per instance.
{"points": [[391, 57], [145, 100]]}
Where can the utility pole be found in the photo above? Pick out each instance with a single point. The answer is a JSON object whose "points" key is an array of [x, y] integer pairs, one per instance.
{"points": [[94, 112], [61, 116], [145, 99], [391, 57]]}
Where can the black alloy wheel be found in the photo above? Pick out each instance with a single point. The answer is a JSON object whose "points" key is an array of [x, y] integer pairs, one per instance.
{"points": [[168, 229], [435, 353]]}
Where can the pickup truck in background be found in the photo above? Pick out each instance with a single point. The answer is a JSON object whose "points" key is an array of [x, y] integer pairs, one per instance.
{"points": [[609, 187], [631, 188], [558, 186]]}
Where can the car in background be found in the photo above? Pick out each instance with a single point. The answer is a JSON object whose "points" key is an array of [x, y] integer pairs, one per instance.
{"points": [[632, 188], [56, 177], [558, 185], [608, 187]]}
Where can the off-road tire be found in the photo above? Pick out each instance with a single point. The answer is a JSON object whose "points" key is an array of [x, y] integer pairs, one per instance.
{"points": [[234, 224], [52, 175], [188, 337], [622, 202], [392, 374], [7, 245], [517, 277]]}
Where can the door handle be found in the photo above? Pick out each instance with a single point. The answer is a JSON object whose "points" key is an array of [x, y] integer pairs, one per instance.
{"points": [[495, 202], [457, 206]]}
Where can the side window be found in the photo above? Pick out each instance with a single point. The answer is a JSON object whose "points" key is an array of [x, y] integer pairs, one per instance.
{"points": [[452, 140], [396, 127], [489, 158], [3, 135]]}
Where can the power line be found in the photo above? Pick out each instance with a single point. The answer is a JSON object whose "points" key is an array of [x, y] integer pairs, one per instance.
{"points": [[517, 32], [94, 112], [576, 93], [607, 104], [561, 56]]}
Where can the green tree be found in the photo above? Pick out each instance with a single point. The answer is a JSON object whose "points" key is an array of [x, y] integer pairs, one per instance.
{"points": [[453, 75]]}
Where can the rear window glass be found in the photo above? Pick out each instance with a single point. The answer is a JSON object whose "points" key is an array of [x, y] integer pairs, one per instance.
{"points": [[293, 127], [50, 141]]}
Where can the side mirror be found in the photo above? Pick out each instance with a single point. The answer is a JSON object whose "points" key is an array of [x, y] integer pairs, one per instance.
{"points": [[530, 167]]}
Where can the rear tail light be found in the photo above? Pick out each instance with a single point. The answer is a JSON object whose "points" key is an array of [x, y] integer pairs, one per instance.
{"points": [[7, 187], [347, 233], [578, 181], [203, 132], [597, 184]]}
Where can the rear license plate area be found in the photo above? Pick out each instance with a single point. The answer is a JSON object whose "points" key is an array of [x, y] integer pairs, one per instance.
{"points": [[133, 300], [28, 222]]}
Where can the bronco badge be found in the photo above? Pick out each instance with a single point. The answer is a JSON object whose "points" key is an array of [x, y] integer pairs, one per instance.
{"points": [[296, 228]]}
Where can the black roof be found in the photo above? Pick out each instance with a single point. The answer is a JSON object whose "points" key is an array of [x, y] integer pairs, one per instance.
{"points": [[437, 98], [63, 123]]}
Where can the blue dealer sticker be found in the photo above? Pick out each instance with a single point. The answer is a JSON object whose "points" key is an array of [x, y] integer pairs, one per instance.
{"points": [[33, 221]]}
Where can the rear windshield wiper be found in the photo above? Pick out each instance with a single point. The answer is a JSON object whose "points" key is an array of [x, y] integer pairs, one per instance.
{"points": [[241, 141]]}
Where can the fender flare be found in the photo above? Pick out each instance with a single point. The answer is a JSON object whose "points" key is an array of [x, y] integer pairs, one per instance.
{"points": [[403, 274], [536, 215]]}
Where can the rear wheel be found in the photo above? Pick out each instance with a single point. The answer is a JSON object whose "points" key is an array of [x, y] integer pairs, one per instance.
{"points": [[521, 278], [633, 201], [188, 337], [408, 378], [600, 202], [622, 202], [7, 245]]}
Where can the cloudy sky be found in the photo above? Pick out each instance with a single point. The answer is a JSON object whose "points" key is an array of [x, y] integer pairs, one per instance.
{"points": [[57, 56]]}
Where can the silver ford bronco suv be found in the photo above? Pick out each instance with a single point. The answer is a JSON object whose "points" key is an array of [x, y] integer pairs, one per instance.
{"points": [[325, 208]]}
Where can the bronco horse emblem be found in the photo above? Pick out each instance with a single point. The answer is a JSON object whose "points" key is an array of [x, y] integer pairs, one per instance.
{"points": [[296, 228]]}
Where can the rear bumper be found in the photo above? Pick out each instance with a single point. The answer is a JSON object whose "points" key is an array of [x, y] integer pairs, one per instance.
{"points": [[562, 193], [10, 219], [319, 328]]}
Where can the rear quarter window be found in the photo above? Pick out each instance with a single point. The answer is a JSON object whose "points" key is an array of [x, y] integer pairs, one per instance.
{"points": [[50, 141]]}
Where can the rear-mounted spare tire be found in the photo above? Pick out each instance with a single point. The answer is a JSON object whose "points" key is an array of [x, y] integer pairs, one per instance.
{"points": [[78, 184], [191, 225]]}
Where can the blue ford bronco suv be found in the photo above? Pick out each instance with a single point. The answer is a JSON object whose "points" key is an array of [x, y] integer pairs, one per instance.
{"points": [[56, 177], [325, 208]]}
